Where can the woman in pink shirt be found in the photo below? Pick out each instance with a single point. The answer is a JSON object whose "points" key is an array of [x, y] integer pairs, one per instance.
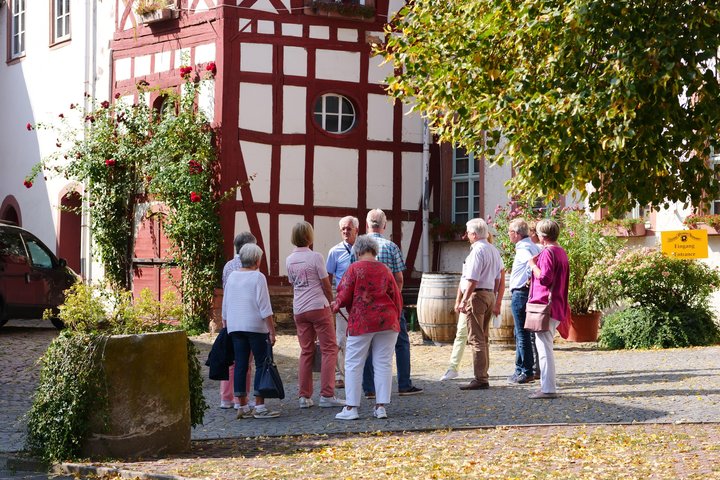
{"points": [[312, 295], [369, 291], [549, 284]]}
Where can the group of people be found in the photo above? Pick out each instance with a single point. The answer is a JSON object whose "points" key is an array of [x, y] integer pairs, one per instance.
{"points": [[540, 274], [356, 345], [358, 342]]}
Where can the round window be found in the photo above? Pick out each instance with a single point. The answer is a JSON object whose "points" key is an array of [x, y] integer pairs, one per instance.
{"points": [[334, 113]]}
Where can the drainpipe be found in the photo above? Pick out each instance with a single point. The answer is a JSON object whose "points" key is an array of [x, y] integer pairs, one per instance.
{"points": [[425, 240], [90, 87]]}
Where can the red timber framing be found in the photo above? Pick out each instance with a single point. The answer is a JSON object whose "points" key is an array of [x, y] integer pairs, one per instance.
{"points": [[222, 26]]}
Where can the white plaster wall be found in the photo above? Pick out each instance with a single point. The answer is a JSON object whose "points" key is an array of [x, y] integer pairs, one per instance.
{"points": [[183, 53], [266, 26], [320, 32], [292, 174], [122, 68], [37, 88], [379, 179], [205, 53], [412, 125], [378, 71], [295, 61], [292, 29], [257, 158], [206, 99], [335, 174], [256, 57], [142, 66], [294, 113], [495, 191], [162, 61], [256, 107], [394, 7], [412, 181], [337, 65], [285, 225], [407, 231], [379, 118], [347, 35], [452, 256], [327, 234]]}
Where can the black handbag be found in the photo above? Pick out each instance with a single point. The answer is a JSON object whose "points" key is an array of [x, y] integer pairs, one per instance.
{"points": [[270, 384]]}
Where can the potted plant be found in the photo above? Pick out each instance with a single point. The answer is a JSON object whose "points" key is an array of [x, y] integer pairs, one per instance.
{"points": [[119, 381], [151, 11], [446, 231], [697, 221], [624, 227], [340, 8], [585, 244]]}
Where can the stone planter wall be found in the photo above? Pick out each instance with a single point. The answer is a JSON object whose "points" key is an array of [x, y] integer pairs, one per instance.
{"points": [[148, 397]]}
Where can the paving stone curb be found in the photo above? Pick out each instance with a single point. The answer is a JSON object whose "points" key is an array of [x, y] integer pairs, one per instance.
{"points": [[81, 469]]}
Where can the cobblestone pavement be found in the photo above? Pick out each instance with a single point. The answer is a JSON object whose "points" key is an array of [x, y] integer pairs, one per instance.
{"points": [[663, 386]]}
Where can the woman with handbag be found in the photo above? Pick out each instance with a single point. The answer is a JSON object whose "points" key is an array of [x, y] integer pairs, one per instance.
{"points": [[312, 295], [548, 287], [246, 310], [369, 291]]}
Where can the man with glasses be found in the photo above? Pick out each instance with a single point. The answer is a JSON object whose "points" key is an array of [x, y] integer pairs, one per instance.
{"points": [[338, 261], [525, 249], [477, 293]]}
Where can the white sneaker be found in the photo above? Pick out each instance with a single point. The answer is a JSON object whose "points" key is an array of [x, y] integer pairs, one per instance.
{"points": [[331, 402], [380, 412], [449, 375], [224, 404], [237, 406], [307, 402], [348, 413]]}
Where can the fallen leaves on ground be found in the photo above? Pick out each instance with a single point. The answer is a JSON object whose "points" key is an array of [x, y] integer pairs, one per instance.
{"points": [[573, 452]]}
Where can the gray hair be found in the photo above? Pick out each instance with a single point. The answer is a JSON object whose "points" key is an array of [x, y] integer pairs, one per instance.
{"points": [[242, 238], [520, 227], [478, 226], [376, 218], [353, 220], [250, 254], [364, 244], [548, 229]]}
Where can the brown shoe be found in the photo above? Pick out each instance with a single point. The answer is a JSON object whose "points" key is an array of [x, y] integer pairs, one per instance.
{"points": [[475, 385], [339, 384]]}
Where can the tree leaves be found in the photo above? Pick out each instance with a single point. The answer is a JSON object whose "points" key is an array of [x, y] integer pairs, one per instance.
{"points": [[614, 93]]}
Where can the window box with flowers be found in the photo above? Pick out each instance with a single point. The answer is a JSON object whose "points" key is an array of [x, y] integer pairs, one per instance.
{"points": [[446, 231], [711, 223], [152, 11], [624, 227], [363, 10]]}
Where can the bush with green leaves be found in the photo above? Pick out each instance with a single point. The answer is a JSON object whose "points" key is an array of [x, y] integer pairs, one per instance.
{"points": [[650, 327], [72, 382], [666, 300]]}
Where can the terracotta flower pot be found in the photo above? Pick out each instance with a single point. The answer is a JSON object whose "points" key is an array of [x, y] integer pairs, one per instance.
{"points": [[584, 327]]}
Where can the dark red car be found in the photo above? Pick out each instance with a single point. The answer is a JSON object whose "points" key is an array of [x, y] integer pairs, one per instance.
{"points": [[32, 278]]}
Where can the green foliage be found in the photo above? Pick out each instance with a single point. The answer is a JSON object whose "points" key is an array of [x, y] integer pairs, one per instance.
{"points": [[651, 327], [590, 91], [692, 220], [585, 245], [198, 405], [648, 278], [126, 153], [71, 388], [72, 383]]}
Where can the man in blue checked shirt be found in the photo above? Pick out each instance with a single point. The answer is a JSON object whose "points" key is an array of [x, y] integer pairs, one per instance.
{"points": [[390, 255]]}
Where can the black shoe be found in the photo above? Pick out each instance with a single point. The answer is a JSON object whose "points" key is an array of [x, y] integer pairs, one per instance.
{"points": [[475, 385], [520, 378], [410, 391]]}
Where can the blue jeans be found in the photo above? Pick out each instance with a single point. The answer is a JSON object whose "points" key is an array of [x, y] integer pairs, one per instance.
{"points": [[402, 360], [244, 343], [523, 342]]}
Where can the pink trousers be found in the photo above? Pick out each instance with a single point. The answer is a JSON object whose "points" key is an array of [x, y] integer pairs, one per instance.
{"points": [[226, 386], [310, 325]]}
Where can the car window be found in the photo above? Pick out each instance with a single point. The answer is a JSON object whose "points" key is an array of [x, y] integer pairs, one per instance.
{"points": [[39, 256], [11, 247]]}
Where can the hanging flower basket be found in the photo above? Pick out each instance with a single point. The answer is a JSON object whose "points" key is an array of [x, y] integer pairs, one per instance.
{"points": [[160, 15]]}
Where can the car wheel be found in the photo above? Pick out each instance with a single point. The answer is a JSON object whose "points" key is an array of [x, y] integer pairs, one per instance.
{"points": [[57, 323]]}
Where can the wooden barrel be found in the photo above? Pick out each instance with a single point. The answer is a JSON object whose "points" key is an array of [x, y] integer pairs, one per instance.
{"points": [[435, 305], [505, 333]]}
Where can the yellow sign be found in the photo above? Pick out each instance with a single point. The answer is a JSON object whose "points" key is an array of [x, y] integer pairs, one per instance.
{"points": [[686, 244]]}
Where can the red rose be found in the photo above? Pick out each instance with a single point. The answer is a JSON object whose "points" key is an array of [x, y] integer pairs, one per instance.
{"points": [[194, 197], [27, 183], [61, 116], [210, 67], [29, 126], [105, 104], [72, 105], [194, 167], [90, 118], [110, 162], [185, 71], [58, 144], [117, 95]]}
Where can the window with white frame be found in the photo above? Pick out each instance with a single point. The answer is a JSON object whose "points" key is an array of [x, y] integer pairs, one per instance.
{"points": [[715, 164], [17, 28], [61, 20], [465, 185], [334, 113]]}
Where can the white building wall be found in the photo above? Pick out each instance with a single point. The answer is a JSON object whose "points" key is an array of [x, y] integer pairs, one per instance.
{"points": [[36, 89]]}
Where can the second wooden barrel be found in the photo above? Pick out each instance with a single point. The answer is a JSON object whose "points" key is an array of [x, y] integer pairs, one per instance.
{"points": [[435, 305]]}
